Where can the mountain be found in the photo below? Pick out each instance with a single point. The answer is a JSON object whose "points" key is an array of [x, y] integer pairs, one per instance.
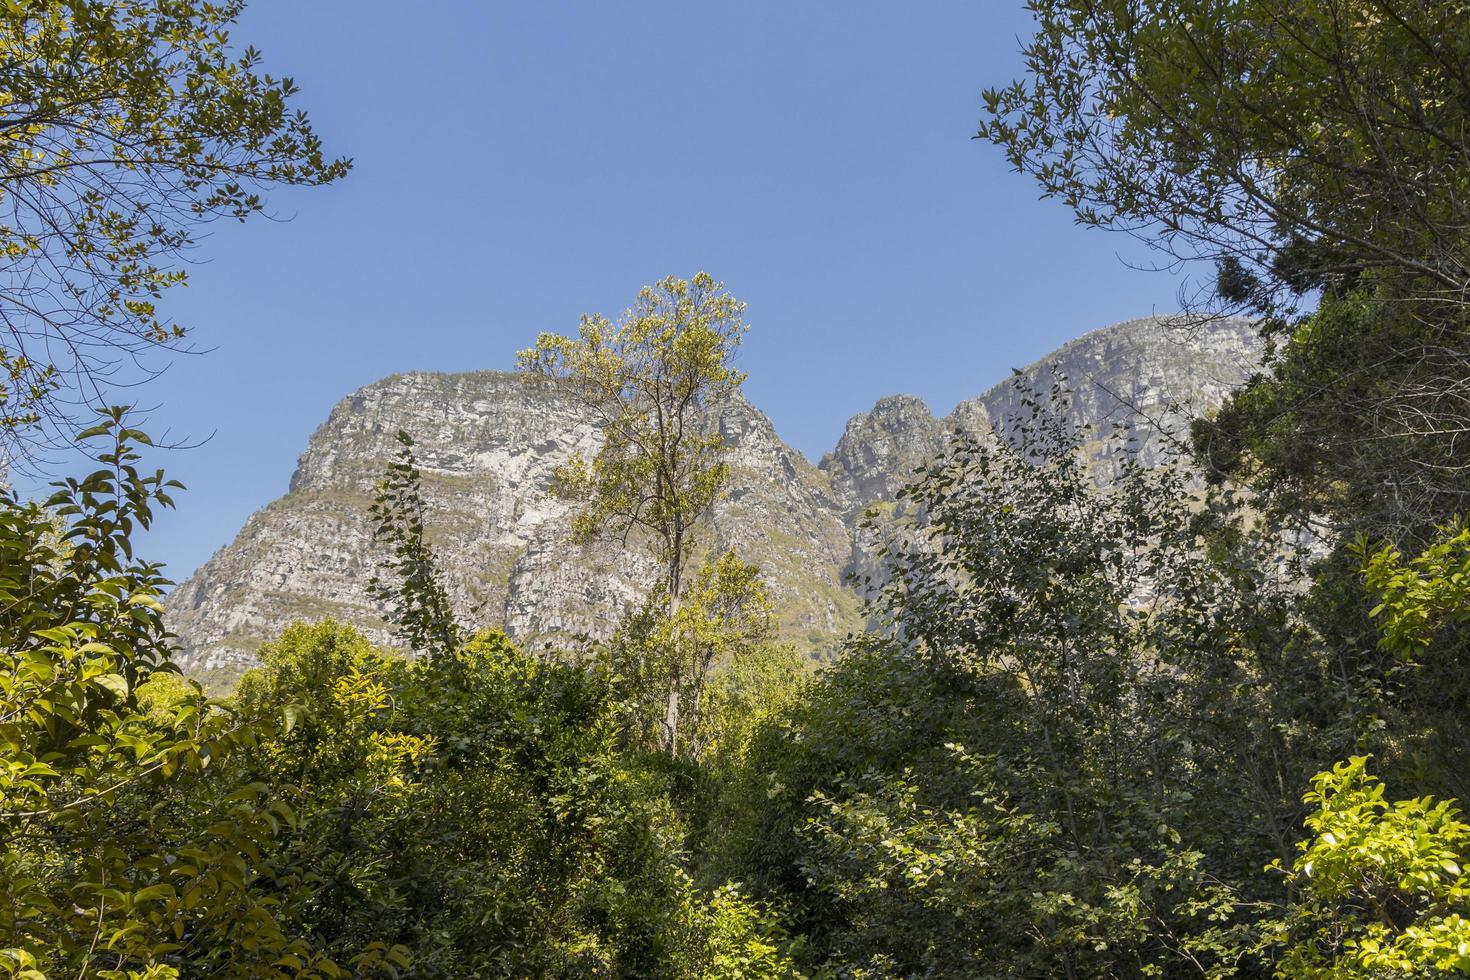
{"points": [[488, 443]]}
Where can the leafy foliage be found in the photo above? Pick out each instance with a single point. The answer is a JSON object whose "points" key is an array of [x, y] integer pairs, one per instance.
{"points": [[1297, 145], [126, 125], [1383, 890], [553, 851], [352, 812], [1380, 887], [121, 854], [649, 381], [1063, 749], [724, 621], [479, 813], [1355, 428], [1419, 594], [1071, 741], [1311, 152], [417, 602]]}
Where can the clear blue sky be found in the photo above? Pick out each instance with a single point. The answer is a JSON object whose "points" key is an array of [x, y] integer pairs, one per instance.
{"points": [[518, 163]]}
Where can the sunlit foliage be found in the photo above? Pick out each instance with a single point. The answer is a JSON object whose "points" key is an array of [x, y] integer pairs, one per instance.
{"points": [[124, 126]]}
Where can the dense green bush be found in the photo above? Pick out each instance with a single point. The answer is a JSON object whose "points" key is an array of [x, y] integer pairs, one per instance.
{"points": [[123, 850], [1071, 746], [479, 811], [1072, 743], [348, 811]]}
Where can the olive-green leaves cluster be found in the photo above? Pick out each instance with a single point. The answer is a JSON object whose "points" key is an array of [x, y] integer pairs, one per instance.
{"points": [[724, 628], [649, 381], [475, 812], [124, 126]]}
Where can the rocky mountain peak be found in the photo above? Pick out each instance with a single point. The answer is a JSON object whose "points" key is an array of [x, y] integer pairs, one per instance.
{"points": [[488, 444], [879, 449]]}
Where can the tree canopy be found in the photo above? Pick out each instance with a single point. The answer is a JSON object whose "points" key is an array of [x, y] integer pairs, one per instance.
{"points": [[125, 126], [1141, 723], [1309, 153], [648, 380], [1297, 145]]}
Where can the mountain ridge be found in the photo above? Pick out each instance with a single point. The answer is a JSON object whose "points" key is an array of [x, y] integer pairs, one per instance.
{"points": [[487, 444]]}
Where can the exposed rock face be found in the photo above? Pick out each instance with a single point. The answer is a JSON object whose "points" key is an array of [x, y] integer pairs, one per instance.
{"points": [[1144, 378], [488, 444], [879, 449]]}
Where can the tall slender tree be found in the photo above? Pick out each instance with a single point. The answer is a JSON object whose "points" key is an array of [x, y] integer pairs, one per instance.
{"points": [[647, 380]]}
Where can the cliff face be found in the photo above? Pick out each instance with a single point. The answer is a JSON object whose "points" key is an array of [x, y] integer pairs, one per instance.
{"points": [[488, 443], [1134, 385]]}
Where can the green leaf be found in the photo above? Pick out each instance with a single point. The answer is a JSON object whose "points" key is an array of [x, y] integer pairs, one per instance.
{"points": [[116, 683]]}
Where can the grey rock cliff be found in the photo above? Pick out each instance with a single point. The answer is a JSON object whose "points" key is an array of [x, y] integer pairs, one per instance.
{"points": [[488, 444], [1144, 378]]}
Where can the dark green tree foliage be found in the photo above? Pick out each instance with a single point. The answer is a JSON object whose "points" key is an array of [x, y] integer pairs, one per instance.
{"points": [[1358, 426], [1072, 745], [475, 810], [1311, 153], [1297, 144], [1306, 150], [417, 602]]}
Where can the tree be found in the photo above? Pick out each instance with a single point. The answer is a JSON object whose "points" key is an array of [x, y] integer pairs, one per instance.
{"points": [[125, 126], [1062, 747], [1359, 424], [417, 601], [1419, 616], [1296, 145], [1306, 150], [648, 380], [348, 812], [121, 853], [724, 621]]}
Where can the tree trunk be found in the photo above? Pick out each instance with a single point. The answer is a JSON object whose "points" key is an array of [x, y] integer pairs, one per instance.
{"points": [[696, 706], [671, 706], [671, 717]]}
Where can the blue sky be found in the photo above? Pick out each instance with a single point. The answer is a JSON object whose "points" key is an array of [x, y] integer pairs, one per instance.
{"points": [[520, 163]]}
